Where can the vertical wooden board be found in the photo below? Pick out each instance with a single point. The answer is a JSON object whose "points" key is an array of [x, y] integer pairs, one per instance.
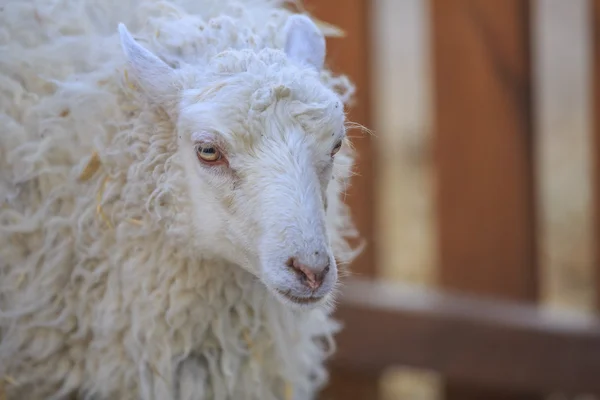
{"points": [[350, 56], [483, 147], [484, 158], [595, 20]]}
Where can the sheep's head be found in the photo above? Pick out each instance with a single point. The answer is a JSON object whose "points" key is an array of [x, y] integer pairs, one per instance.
{"points": [[258, 133]]}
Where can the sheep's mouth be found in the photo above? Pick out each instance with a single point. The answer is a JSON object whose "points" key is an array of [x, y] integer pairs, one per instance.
{"points": [[299, 300]]}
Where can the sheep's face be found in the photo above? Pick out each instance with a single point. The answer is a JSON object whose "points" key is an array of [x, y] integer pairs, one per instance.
{"points": [[258, 137], [258, 181]]}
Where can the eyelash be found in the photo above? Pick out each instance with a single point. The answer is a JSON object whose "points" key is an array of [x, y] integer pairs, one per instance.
{"points": [[337, 147]]}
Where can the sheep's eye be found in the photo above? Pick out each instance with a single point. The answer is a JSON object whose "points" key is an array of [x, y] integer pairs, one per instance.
{"points": [[209, 154], [337, 148]]}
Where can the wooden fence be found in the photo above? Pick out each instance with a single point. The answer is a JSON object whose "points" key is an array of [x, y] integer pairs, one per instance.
{"points": [[482, 331]]}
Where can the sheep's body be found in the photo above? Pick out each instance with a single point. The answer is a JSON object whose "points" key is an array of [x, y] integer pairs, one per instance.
{"points": [[96, 299]]}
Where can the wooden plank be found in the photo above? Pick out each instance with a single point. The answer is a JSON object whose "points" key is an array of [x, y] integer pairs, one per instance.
{"points": [[350, 55], [483, 147], [483, 150], [493, 344], [595, 21]]}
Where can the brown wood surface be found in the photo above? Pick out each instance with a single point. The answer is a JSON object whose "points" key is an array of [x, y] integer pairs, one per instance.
{"points": [[350, 56], [352, 384], [487, 343], [483, 153], [595, 20]]}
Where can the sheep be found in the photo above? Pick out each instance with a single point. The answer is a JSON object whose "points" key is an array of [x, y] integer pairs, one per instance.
{"points": [[171, 219]]}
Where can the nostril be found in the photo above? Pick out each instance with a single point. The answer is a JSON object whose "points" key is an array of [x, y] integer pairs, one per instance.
{"points": [[311, 277]]}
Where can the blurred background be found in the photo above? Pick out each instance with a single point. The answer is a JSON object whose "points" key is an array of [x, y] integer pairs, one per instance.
{"points": [[390, 49], [402, 119]]}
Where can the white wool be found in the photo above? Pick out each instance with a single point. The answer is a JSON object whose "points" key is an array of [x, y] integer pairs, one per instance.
{"points": [[108, 290]]}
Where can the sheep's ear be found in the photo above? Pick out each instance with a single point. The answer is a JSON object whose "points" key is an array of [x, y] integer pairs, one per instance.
{"points": [[304, 42], [154, 75]]}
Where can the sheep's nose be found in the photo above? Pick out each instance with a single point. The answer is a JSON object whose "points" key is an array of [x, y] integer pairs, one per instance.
{"points": [[310, 276]]}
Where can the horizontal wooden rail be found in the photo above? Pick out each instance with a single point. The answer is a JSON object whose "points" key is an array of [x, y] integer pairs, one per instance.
{"points": [[484, 342]]}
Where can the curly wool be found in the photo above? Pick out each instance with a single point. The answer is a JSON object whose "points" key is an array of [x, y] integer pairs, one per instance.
{"points": [[99, 296]]}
